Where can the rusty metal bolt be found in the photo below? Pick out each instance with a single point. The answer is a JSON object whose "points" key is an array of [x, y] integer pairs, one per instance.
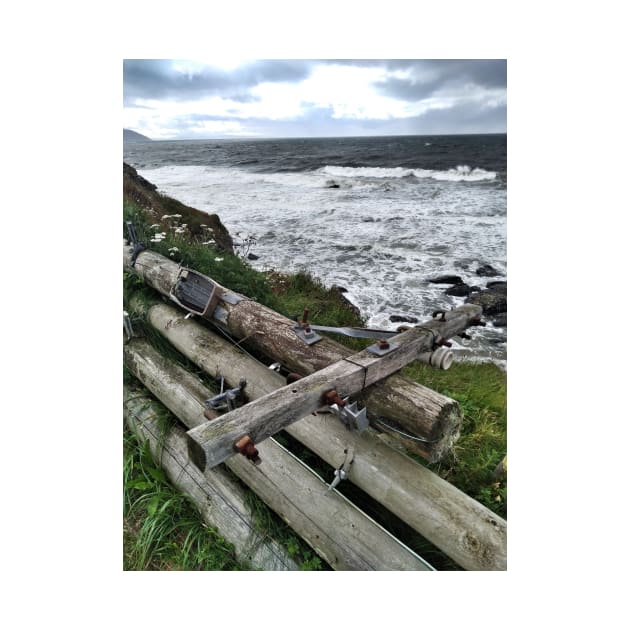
{"points": [[304, 321], [246, 447], [308, 333], [331, 397], [383, 344]]}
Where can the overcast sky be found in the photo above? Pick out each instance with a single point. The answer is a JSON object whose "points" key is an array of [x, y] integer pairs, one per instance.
{"points": [[296, 98]]}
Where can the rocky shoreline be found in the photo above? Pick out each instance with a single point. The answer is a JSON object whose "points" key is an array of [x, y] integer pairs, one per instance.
{"points": [[492, 298]]}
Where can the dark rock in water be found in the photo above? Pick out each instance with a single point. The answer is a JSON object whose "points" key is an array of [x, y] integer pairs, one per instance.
{"points": [[487, 270], [459, 290], [500, 320], [331, 183], [446, 280], [490, 301], [498, 287], [336, 287], [475, 288], [403, 318], [252, 257]]}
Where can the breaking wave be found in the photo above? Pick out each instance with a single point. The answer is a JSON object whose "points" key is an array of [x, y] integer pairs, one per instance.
{"points": [[461, 173]]}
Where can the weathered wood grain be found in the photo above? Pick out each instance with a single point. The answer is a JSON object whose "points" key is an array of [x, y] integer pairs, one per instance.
{"points": [[466, 531], [416, 408], [343, 535], [214, 441]]}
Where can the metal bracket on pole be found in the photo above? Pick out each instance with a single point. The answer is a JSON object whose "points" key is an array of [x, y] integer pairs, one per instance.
{"points": [[227, 401], [382, 348], [342, 472], [306, 334], [354, 418], [304, 331], [195, 292]]}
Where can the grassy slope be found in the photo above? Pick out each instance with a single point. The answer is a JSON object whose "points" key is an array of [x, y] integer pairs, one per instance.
{"points": [[479, 388]]}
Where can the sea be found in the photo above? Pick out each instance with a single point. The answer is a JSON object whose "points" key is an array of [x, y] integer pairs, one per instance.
{"points": [[378, 216]]}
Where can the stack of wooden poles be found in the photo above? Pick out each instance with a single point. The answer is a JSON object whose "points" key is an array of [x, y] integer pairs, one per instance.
{"points": [[343, 535]]}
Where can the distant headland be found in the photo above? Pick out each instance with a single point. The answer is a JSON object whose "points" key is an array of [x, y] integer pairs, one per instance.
{"points": [[134, 136]]}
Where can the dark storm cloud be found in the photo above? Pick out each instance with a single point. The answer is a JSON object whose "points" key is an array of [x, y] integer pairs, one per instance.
{"points": [[427, 77], [158, 79]]}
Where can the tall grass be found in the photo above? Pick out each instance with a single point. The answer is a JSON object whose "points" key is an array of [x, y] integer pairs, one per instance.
{"points": [[162, 529]]}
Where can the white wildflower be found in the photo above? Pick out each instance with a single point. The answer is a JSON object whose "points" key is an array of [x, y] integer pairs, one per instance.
{"points": [[173, 249], [166, 216], [218, 259], [155, 226], [179, 230]]}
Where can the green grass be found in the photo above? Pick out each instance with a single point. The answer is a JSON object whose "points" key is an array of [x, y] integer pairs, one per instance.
{"points": [[162, 530], [481, 391]]}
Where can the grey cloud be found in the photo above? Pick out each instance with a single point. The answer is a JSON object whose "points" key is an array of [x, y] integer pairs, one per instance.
{"points": [[429, 76], [157, 79]]}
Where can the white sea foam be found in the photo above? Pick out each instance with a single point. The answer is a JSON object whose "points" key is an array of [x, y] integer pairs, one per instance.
{"points": [[382, 242]]}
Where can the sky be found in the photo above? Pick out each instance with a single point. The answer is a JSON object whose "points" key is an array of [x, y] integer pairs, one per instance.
{"points": [[222, 98]]}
